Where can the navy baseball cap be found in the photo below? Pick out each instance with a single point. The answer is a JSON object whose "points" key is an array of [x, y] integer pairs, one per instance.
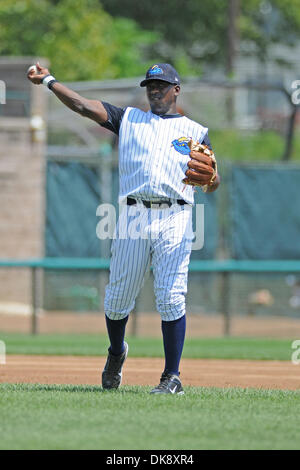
{"points": [[164, 72]]}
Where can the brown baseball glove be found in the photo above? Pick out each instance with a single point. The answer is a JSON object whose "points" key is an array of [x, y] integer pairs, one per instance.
{"points": [[202, 169]]}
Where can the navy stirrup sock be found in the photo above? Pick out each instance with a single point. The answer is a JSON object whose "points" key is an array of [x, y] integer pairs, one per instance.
{"points": [[173, 336], [116, 333]]}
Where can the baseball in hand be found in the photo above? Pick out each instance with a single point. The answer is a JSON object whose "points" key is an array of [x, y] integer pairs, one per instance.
{"points": [[32, 68]]}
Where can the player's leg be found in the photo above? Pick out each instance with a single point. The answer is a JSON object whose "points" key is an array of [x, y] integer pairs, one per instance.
{"points": [[130, 260], [116, 334], [171, 255], [173, 339], [129, 263]]}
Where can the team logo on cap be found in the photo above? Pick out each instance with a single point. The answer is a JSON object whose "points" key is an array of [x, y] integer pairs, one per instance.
{"points": [[155, 69], [181, 145]]}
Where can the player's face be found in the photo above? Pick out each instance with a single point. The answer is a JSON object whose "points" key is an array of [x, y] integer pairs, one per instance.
{"points": [[162, 96]]}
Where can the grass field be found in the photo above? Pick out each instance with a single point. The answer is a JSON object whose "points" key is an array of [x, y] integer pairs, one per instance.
{"points": [[37, 416], [81, 417], [211, 348]]}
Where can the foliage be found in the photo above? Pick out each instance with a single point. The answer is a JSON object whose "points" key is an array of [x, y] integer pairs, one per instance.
{"points": [[82, 41], [190, 31], [198, 30], [261, 146], [266, 23]]}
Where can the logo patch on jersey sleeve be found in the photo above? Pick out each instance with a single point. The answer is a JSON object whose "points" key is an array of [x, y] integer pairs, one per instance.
{"points": [[155, 70], [181, 145]]}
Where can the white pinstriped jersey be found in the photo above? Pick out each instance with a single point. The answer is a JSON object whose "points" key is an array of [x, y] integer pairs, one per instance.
{"points": [[153, 155]]}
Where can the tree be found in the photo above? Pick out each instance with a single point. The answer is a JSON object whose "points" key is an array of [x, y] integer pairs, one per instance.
{"points": [[82, 41], [193, 33]]}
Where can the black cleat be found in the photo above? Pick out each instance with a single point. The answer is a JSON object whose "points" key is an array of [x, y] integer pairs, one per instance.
{"points": [[112, 372], [169, 383]]}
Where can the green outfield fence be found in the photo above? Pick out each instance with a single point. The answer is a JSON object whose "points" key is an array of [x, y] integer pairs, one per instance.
{"points": [[225, 268]]}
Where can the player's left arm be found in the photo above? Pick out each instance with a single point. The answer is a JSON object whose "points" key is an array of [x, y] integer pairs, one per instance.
{"points": [[216, 183]]}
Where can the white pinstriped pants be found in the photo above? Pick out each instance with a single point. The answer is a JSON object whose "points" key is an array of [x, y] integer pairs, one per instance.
{"points": [[161, 237]]}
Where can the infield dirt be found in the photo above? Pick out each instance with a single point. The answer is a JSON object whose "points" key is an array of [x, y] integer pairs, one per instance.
{"points": [[146, 371]]}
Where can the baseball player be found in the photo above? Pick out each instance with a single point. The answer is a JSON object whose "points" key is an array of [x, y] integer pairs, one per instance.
{"points": [[154, 159]]}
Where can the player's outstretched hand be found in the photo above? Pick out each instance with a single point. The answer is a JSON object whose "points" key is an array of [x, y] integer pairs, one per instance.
{"points": [[36, 73]]}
